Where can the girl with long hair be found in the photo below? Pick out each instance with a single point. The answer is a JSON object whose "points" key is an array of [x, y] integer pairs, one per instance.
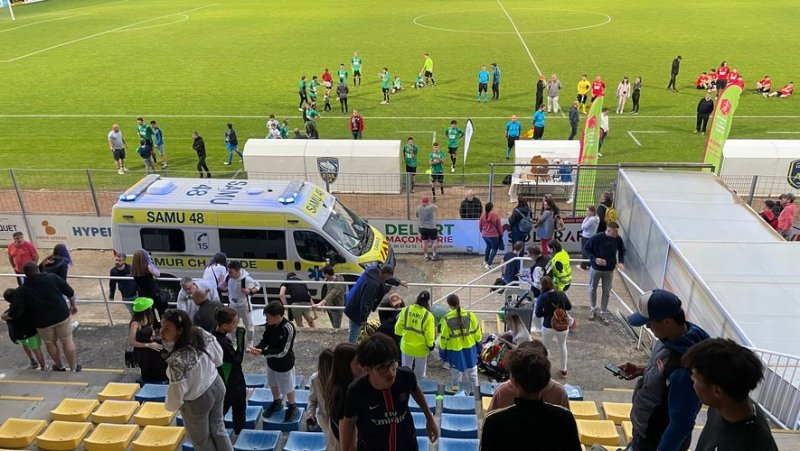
{"points": [[344, 371], [546, 222], [58, 262], [416, 328], [492, 233], [195, 387], [518, 332], [459, 343], [146, 350], [317, 412], [231, 370], [548, 302], [144, 273], [216, 270]]}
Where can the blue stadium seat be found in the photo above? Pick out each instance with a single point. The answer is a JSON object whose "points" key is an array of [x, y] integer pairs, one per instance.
{"points": [[429, 387], [423, 443], [298, 381], [459, 444], [252, 414], [414, 407], [187, 445], [152, 392], [260, 397], [275, 422], [459, 426], [305, 441], [488, 388], [574, 392], [458, 404], [250, 440], [420, 423], [301, 398], [255, 380], [179, 420]]}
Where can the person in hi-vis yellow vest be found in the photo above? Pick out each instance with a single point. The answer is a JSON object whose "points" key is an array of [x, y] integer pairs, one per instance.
{"points": [[416, 327]]}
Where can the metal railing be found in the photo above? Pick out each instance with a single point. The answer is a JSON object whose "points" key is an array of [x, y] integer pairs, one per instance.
{"points": [[755, 189]]}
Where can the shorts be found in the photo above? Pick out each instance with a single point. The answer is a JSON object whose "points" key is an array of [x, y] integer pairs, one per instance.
{"points": [[582, 98], [231, 148], [780, 94], [327, 84], [34, 342], [301, 312], [594, 97], [429, 73], [57, 332], [437, 178], [411, 169], [119, 154], [453, 150], [482, 87], [385, 90], [721, 84], [160, 148], [356, 73], [284, 381], [511, 141], [428, 234]]}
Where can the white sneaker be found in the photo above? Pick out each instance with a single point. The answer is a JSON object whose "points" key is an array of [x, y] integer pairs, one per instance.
{"points": [[124, 169], [452, 169], [300, 110], [383, 103], [486, 266], [120, 171], [75, 325], [599, 154], [226, 163]]}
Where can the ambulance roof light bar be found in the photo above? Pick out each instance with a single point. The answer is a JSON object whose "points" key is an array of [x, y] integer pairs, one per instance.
{"points": [[289, 195], [138, 189]]}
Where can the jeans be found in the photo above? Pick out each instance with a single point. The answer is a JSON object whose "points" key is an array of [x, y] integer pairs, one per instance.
{"points": [[584, 265], [561, 337], [355, 329], [492, 244], [573, 131], [203, 419], [595, 277], [516, 235]]}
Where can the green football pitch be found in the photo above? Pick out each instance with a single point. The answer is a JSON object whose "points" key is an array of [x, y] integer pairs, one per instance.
{"points": [[71, 68]]}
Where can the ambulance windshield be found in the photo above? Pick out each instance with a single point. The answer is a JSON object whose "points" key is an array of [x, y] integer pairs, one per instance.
{"points": [[344, 226]]}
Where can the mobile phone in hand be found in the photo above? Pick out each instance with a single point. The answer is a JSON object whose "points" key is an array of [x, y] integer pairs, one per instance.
{"points": [[617, 371]]}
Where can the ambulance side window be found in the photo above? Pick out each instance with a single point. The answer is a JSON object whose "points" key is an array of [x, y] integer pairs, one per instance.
{"points": [[311, 247], [162, 240], [253, 244]]}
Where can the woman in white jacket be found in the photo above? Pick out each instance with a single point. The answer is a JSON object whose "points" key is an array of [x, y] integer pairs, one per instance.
{"points": [[623, 92], [194, 383]]}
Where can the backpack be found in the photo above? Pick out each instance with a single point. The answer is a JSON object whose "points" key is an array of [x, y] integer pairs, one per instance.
{"points": [[559, 223], [611, 214], [525, 225], [560, 320]]}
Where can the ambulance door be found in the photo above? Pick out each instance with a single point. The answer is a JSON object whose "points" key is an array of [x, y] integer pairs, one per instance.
{"points": [[261, 251], [313, 251]]}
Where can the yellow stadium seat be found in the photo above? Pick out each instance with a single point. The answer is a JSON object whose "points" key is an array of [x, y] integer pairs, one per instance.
{"points": [[158, 438], [119, 412], [153, 414], [584, 410], [63, 436], [110, 437], [117, 391], [486, 401], [627, 428], [617, 411], [19, 433], [603, 432], [71, 409]]}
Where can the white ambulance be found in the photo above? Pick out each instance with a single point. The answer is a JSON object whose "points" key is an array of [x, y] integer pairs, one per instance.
{"points": [[272, 227]]}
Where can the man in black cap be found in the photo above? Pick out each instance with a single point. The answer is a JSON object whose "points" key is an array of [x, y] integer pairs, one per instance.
{"points": [[676, 66], [664, 401]]}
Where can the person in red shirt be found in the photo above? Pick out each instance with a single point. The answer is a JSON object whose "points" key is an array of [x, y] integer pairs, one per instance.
{"points": [[722, 76], [735, 79], [764, 85], [768, 214], [786, 218], [703, 82], [356, 124], [21, 251], [598, 88], [786, 91]]}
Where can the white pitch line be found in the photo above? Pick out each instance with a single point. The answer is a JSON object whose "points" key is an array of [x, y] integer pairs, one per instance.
{"points": [[102, 33], [68, 10], [642, 131], [41, 21], [634, 139], [783, 133], [520, 37], [406, 118], [419, 131]]}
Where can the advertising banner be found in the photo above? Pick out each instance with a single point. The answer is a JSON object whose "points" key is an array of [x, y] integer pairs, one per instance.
{"points": [[721, 123], [467, 140], [590, 147], [85, 232], [9, 225]]}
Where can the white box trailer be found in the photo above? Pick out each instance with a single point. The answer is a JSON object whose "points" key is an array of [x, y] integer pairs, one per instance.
{"points": [[362, 166], [777, 160]]}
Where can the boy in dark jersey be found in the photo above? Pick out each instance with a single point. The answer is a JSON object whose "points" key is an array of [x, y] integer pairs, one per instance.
{"points": [[377, 403]]}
